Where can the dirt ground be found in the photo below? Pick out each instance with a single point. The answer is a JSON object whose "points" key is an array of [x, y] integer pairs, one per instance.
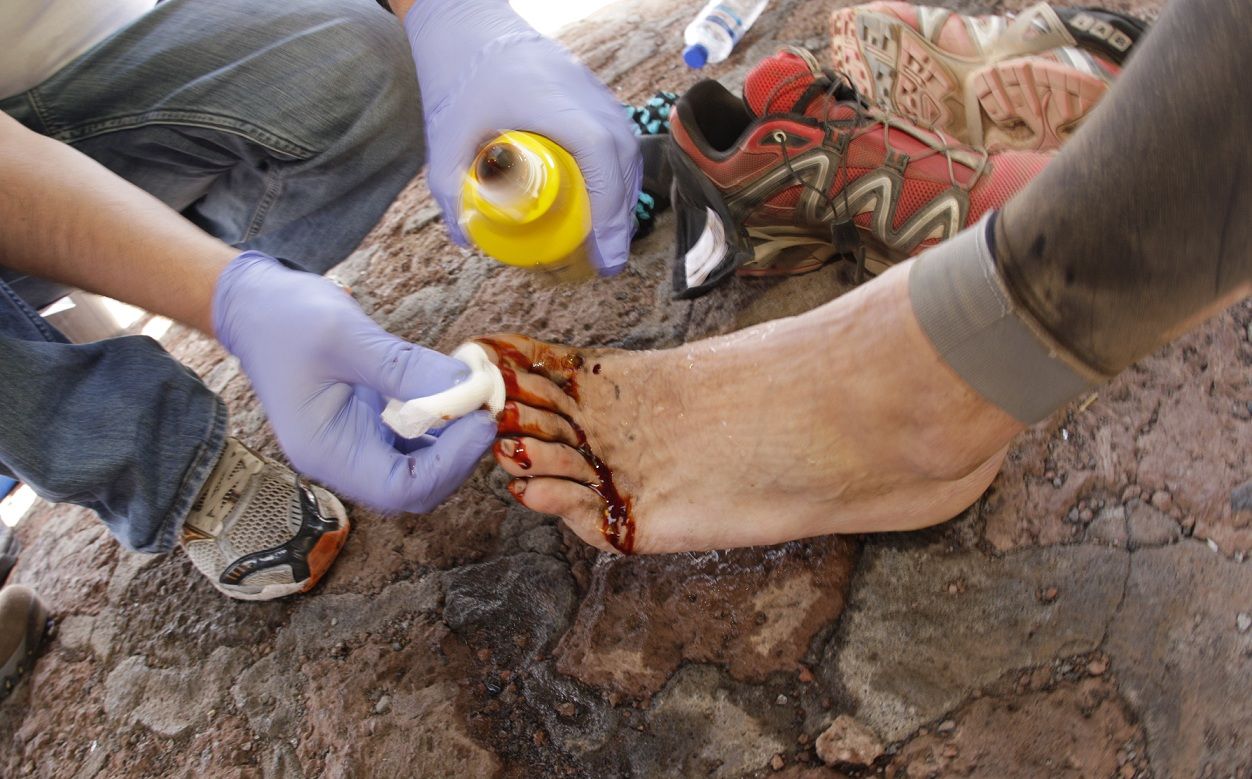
{"points": [[1088, 617]]}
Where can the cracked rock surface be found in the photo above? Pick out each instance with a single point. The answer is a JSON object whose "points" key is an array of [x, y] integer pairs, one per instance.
{"points": [[1088, 617]]}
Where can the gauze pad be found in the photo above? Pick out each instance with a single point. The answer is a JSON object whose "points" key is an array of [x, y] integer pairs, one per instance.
{"points": [[484, 387]]}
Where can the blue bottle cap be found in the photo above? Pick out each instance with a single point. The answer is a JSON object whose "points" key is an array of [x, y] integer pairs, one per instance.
{"points": [[696, 56]]}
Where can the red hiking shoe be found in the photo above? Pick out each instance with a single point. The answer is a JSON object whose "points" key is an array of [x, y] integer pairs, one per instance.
{"points": [[1004, 83], [802, 170]]}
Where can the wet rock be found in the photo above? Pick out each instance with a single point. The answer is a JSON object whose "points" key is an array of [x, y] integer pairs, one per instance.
{"points": [[74, 631], [900, 635], [1197, 712], [576, 718], [706, 727], [129, 565], [421, 218], [282, 763], [268, 695], [545, 540], [355, 615], [848, 742], [421, 733], [1241, 497], [524, 595], [1063, 733], [352, 271], [1148, 526], [1109, 528], [103, 631], [753, 611], [1162, 501], [168, 701]]}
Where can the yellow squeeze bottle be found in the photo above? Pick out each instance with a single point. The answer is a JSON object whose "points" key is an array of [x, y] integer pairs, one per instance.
{"points": [[525, 203]]}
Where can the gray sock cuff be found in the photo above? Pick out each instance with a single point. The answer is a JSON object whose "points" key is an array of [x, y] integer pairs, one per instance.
{"points": [[993, 345]]}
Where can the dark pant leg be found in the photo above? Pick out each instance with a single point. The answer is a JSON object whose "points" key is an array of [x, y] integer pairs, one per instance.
{"points": [[1144, 221]]}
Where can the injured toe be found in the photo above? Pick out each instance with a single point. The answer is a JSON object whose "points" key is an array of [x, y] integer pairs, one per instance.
{"points": [[531, 457]]}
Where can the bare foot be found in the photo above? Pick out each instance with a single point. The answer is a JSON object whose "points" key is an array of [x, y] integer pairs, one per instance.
{"points": [[841, 420]]}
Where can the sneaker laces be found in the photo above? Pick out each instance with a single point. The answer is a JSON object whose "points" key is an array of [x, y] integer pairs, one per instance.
{"points": [[844, 234], [226, 485]]}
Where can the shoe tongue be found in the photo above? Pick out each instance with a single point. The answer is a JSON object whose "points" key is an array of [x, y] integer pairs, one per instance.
{"points": [[789, 82]]}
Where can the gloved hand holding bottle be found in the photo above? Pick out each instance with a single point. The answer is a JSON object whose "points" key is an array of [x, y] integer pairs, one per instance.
{"points": [[484, 70]]}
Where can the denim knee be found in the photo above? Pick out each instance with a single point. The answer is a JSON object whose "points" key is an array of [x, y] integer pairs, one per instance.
{"points": [[369, 71]]}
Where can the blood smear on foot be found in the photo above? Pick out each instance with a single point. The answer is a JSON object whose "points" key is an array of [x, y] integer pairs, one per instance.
{"points": [[617, 523]]}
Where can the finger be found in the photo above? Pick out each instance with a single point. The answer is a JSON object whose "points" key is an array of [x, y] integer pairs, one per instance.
{"points": [[597, 133], [532, 457], [452, 151], [450, 207], [369, 397], [607, 153], [399, 369], [410, 445], [421, 480], [581, 508]]}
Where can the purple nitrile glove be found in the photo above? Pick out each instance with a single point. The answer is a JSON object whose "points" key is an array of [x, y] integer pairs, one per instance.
{"points": [[484, 70], [321, 368]]}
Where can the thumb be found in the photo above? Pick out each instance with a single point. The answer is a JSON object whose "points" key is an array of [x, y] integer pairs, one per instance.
{"points": [[433, 473], [452, 220], [402, 370], [445, 177]]}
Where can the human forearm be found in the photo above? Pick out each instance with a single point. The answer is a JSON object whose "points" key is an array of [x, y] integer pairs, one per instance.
{"points": [[66, 218]]}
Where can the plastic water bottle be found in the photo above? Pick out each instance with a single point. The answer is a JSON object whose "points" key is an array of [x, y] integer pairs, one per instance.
{"points": [[717, 28], [525, 203]]}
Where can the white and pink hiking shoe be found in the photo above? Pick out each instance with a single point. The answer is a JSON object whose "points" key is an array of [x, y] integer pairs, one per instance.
{"points": [[995, 82]]}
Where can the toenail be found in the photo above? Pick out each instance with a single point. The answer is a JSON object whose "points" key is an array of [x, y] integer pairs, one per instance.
{"points": [[517, 488], [506, 446]]}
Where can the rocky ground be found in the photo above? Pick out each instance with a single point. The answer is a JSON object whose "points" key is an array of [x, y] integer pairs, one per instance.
{"points": [[1089, 617]]}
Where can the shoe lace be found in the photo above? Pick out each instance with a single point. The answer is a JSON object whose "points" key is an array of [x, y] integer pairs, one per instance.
{"points": [[840, 91], [228, 482]]}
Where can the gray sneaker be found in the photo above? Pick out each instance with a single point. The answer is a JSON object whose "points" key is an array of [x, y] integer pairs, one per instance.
{"points": [[23, 620], [259, 531]]}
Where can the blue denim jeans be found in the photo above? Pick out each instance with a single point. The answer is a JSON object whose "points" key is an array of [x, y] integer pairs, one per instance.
{"points": [[284, 127]]}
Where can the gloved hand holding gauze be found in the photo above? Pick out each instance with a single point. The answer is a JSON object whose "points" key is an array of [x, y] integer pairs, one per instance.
{"points": [[485, 387]]}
